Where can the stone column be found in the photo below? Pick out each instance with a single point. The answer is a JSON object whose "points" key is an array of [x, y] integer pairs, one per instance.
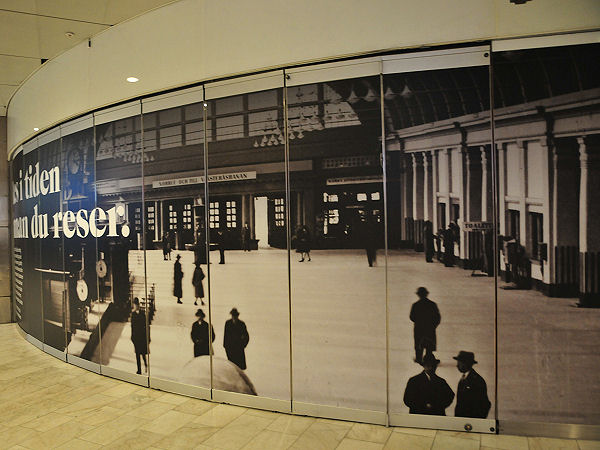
{"points": [[486, 185], [418, 185], [434, 190], [501, 149], [589, 221], [427, 186], [406, 201]]}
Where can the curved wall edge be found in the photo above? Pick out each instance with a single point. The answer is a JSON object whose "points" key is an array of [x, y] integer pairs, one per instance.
{"points": [[193, 45]]}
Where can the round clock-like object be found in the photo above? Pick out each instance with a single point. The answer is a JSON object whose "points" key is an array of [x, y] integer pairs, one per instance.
{"points": [[82, 290], [101, 268]]}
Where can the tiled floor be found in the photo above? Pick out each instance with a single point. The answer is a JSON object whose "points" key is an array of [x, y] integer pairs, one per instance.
{"points": [[46, 403]]}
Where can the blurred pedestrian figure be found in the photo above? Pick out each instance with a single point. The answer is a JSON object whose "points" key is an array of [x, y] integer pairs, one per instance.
{"points": [[177, 277], [369, 238], [139, 336], [220, 240], [246, 237], [439, 240], [201, 336], [448, 239], [426, 317], [428, 240], [428, 393], [197, 282], [166, 247], [303, 242], [471, 395], [235, 339]]}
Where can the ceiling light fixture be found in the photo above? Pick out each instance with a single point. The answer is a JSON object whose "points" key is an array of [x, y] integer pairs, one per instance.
{"points": [[36, 129], [133, 79], [69, 34]]}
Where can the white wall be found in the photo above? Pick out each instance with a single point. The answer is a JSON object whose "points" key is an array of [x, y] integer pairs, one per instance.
{"points": [[194, 40]]}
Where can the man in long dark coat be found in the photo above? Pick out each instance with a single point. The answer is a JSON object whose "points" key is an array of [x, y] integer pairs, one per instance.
{"points": [[177, 277], [428, 241], [197, 278], [235, 339], [471, 395], [246, 237], [428, 393], [426, 317], [139, 336], [200, 335], [448, 240]]}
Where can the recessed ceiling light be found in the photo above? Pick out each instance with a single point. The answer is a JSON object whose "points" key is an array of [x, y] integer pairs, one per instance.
{"points": [[133, 79], [69, 34], [36, 129]]}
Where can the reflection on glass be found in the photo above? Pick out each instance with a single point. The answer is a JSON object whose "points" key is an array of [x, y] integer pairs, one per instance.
{"points": [[548, 246], [175, 241], [338, 265], [248, 238], [440, 236], [123, 300]]}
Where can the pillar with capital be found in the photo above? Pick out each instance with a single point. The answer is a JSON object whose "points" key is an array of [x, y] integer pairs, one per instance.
{"points": [[406, 198], [589, 221]]}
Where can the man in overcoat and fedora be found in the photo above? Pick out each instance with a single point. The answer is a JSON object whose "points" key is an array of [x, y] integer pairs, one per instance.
{"points": [[235, 339], [471, 396], [201, 336], [426, 317], [427, 393]]}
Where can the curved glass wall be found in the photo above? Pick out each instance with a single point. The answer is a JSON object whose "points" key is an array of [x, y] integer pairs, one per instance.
{"points": [[265, 240]]}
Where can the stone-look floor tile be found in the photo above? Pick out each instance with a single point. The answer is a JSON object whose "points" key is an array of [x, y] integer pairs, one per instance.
{"points": [[291, 424], [151, 410], [504, 442], [186, 437], [262, 413], [15, 435], [194, 406], [138, 439], [321, 435], [85, 406], [122, 390], [408, 441], [130, 401], [168, 423], [48, 421], [370, 433], [339, 423], [353, 444], [271, 440], [459, 435], [101, 416], [57, 435], [238, 432], [588, 445], [175, 399], [113, 429], [78, 444], [540, 443], [416, 431], [449, 442], [220, 415]]}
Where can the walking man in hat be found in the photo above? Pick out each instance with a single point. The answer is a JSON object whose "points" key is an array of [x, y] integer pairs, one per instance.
{"points": [[426, 317], [427, 393], [471, 396], [200, 335], [177, 277], [235, 339]]}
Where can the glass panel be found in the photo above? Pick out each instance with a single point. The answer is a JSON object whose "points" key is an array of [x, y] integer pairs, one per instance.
{"points": [[120, 254], [338, 264], [250, 316], [440, 237], [175, 239], [78, 201], [57, 310], [548, 148]]}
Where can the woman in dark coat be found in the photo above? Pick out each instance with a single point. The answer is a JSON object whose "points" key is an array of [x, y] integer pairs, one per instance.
{"points": [[166, 245], [138, 335], [303, 242], [200, 335], [177, 277], [197, 282]]}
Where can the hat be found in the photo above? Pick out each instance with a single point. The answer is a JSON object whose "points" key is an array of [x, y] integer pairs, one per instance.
{"points": [[422, 290], [136, 301], [234, 312], [430, 359], [178, 256], [200, 313], [466, 357]]}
